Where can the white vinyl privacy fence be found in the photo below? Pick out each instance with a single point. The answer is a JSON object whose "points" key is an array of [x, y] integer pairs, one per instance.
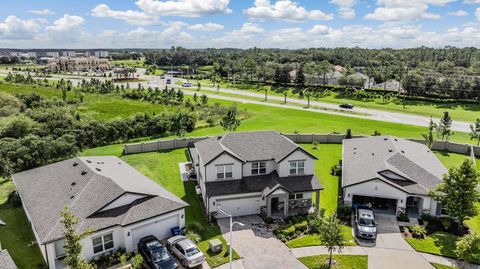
{"points": [[297, 138]]}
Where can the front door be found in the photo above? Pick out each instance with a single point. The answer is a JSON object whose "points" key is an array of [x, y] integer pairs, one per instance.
{"points": [[274, 203]]}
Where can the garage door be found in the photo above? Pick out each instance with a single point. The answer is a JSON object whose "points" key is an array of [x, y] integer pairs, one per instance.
{"points": [[240, 207], [159, 228], [380, 205]]}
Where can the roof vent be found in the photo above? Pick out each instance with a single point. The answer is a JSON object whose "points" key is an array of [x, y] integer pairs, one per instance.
{"points": [[219, 137], [71, 197], [403, 151], [385, 139], [354, 148], [390, 150], [395, 139], [373, 154], [75, 164], [98, 169], [88, 161], [84, 172], [73, 184]]}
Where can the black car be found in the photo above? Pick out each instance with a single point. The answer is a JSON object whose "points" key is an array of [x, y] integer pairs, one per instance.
{"points": [[155, 255], [347, 106]]}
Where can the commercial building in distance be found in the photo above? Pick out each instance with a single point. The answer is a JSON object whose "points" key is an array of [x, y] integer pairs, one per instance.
{"points": [[80, 64], [69, 53]]}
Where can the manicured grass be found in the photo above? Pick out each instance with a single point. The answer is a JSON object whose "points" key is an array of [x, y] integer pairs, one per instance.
{"points": [[342, 261], [441, 266], [438, 243], [18, 239], [314, 239], [6, 186], [129, 63], [162, 167], [217, 259]]}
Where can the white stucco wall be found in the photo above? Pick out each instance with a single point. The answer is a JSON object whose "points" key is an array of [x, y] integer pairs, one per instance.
{"points": [[125, 199], [270, 167], [283, 168], [376, 188], [223, 159], [213, 200]]}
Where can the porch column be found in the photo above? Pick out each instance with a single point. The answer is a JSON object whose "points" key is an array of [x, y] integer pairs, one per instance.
{"points": [[317, 200], [285, 206], [269, 207]]}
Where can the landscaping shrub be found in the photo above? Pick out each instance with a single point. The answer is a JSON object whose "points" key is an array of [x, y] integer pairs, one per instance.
{"points": [[13, 199], [112, 258], [418, 231], [403, 217], [193, 236], [344, 212], [468, 248], [435, 224]]}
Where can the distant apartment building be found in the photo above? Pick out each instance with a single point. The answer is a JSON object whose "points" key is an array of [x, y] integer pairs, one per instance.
{"points": [[79, 64], [69, 53], [98, 53], [52, 54], [15, 54], [29, 55]]}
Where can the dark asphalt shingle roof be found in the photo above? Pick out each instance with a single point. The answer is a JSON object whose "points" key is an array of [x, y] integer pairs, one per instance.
{"points": [[86, 185], [262, 183], [365, 159], [6, 261], [247, 146]]}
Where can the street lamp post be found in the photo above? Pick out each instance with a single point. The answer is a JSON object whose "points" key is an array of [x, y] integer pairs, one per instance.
{"points": [[231, 227]]}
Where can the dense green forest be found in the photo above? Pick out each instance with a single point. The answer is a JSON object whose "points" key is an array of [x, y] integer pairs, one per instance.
{"points": [[440, 73]]}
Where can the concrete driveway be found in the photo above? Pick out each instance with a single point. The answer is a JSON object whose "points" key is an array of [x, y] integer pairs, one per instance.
{"points": [[257, 246]]}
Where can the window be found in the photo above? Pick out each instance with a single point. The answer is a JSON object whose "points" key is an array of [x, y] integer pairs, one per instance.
{"points": [[259, 168], [295, 196], [297, 167], [102, 243], [224, 171]]}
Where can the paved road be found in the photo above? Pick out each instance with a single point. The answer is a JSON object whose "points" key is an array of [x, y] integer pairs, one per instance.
{"points": [[325, 108], [362, 112]]}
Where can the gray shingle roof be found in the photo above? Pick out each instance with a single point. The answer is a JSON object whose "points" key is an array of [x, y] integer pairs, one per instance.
{"points": [[365, 158], [247, 146], [86, 185], [6, 261], [261, 183]]}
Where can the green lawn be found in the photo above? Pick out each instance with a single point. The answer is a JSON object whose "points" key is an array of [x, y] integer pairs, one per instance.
{"points": [[129, 63], [459, 111], [17, 236], [163, 168], [314, 239], [438, 243], [441, 266], [217, 259], [342, 261]]}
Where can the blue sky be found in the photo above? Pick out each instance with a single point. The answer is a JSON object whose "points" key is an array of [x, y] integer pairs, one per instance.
{"points": [[239, 23]]}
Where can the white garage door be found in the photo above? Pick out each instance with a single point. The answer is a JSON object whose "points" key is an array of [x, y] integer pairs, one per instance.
{"points": [[160, 229], [240, 206]]}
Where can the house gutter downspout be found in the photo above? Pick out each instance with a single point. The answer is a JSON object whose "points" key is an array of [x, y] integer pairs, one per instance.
{"points": [[46, 255]]}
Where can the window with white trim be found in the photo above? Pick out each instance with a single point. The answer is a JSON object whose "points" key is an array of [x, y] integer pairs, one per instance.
{"points": [[259, 168], [295, 196], [102, 243], [297, 167], [224, 171]]}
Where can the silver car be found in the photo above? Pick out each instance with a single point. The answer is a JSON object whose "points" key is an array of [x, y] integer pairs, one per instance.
{"points": [[365, 225], [187, 252]]}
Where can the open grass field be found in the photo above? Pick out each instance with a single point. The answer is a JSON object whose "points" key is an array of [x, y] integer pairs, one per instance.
{"points": [[342, 261], [459, 111]]}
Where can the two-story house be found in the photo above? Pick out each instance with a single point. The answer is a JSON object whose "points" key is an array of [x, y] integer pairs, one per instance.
{"points": [[250, 173]]}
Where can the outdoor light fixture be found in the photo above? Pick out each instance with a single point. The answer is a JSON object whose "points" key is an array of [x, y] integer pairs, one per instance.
{"points": [[231, 226]]}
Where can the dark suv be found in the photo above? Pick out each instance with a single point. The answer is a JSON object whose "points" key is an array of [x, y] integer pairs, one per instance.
{"points": [[347, 106], [155, 255]]}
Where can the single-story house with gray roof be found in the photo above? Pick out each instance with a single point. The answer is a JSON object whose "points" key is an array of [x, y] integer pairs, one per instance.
{"points": [[107, 195], [394, 175], [260, 172]]}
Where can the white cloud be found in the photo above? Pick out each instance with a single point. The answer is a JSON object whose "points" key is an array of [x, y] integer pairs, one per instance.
{"points": [[129, 16], [477, 13], [458, 13], [246, 36], [284, 10], [471, 2], [41, 12], [345, 8], [14, 28], [209, 26], [320, 30], [398, 10], [66, 29], [185, 8]]}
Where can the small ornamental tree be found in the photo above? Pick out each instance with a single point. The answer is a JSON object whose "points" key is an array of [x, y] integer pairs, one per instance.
{"points": [[331, 235], [430, 136], [475, 131], [444, 127], [468, 248], [229, 121], [72, 245], [458, 191]]}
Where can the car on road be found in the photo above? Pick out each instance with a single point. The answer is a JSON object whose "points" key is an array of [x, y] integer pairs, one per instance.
{"points": [[155, 255], [186, 251], [365, 225], [168, 81], [347, 106], [187, 84]]}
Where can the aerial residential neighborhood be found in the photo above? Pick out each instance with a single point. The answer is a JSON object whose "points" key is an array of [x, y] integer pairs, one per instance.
{"points": [[258, 134]]}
